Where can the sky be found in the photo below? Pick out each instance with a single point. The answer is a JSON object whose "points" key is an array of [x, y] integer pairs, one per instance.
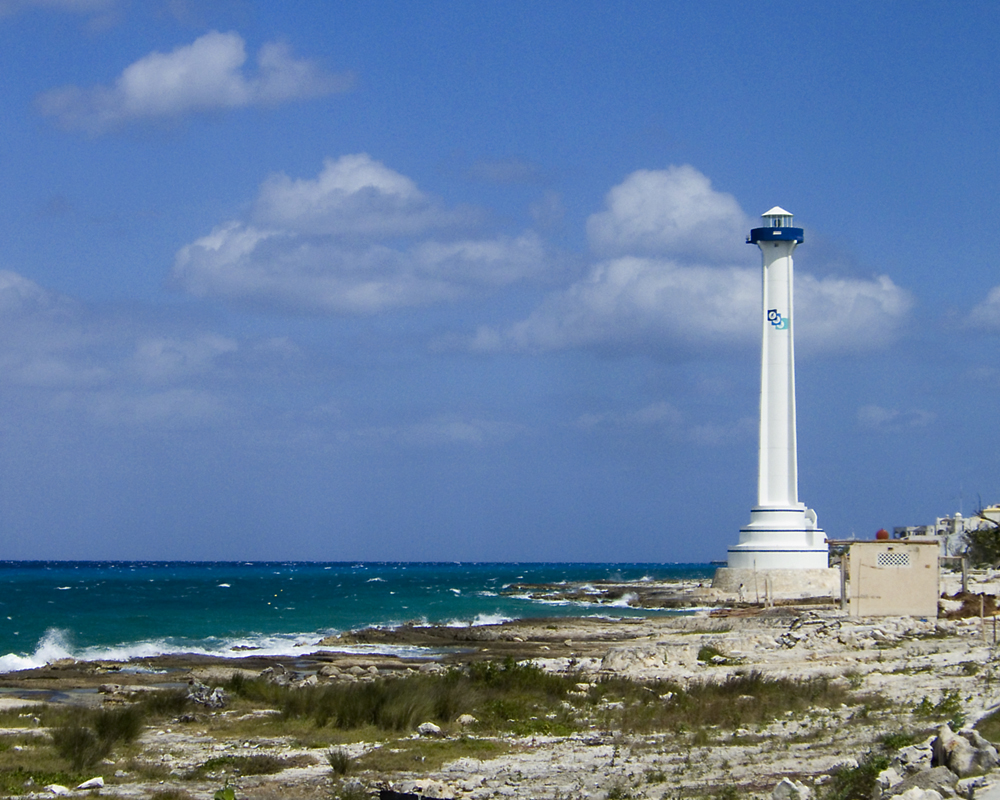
{"points": [[469, 281]]}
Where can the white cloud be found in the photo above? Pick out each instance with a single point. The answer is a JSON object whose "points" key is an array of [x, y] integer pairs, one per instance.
{"points": [[352, 196], [660, 414], [60, 356], [665, 418], [698, 294], [987, 313], [318, 245], [639, 302], [876, 417], [662, 305], [442, 432], [171, 407], [206, 75], [671, 212], [162, 358], [849, 313]]}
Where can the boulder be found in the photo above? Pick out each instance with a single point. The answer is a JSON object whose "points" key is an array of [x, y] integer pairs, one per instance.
{"points": [[888, 778], [202, 695], [93, 783], [962, 754], [913, 758], [916, 793], [788, 789], [941, 779], [429, 729], [986, 753]]}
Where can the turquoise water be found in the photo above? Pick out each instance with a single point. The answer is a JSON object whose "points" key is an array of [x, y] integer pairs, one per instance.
{"points": [[120, 610]]}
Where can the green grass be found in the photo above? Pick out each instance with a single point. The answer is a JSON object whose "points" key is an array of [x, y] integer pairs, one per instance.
{"points": [[949, 708], [739, 702], [523, 699], [418, 755], [12, 781], [86, 736], [857, 783], [989, 726], [257, 764], [340, 760]]}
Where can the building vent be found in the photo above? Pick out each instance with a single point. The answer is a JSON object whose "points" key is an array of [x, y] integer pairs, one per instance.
{"points": [[892, 559]]}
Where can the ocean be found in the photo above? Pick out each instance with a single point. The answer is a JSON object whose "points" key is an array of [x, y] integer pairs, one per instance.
{"points": [[122, 610]]}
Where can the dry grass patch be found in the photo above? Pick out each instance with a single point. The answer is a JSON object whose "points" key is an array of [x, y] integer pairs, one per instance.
{"points": [[420, 755]]}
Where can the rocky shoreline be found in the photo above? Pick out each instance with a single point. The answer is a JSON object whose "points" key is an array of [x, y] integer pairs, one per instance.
{"points": [[903, 680]]}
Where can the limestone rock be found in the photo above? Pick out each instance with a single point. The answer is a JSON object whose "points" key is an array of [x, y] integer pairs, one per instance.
{"points": [[986, 753], [429, 729], [466, 719], [57, 789], [916, 793], [913, 758], [941, 779], [211, 698], [965, 754], [888, 778], [93, 783], [791, 790]]}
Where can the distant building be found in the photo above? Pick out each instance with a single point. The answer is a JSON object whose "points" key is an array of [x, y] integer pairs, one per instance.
{"points": [[950, 532]]}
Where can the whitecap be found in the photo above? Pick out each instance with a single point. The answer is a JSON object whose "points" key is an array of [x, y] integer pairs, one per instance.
{"points": [[224, 586], [51, 647]]}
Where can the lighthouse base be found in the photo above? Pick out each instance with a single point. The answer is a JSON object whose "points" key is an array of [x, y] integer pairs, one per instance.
{"points": [[762, 585], [780, 538]]}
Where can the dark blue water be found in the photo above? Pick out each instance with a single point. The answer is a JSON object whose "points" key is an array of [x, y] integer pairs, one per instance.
{"points": [[119, 610]]}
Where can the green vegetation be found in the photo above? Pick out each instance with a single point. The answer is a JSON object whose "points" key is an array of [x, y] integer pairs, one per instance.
{"points": [[897, 741], [427, 754], [87, 736], [339, 760], [989, 726], [857, 783], [257, 764], [80, 738], [523, 699], [949, 708]]}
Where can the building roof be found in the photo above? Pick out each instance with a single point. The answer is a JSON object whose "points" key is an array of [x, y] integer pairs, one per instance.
{"points": [[777, 211]]}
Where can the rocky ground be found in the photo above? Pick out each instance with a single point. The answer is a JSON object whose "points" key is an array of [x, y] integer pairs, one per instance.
{"points": [[903, 679]]}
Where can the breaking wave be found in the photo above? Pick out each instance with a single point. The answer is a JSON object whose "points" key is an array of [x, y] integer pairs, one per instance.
{"points": [[55, 645]]}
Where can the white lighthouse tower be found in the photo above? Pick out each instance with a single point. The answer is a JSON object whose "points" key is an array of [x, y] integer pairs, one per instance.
{"points": [[782, 534]]}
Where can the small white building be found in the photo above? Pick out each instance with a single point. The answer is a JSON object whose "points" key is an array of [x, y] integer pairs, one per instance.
{"points": [[891, 577]]}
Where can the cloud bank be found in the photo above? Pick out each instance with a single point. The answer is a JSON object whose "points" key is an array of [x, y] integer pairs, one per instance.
{"points": [[671, 272], [207, 75], [359, 238], [678, 280]]}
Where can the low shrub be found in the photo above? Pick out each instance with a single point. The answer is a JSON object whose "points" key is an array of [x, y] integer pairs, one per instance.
{"points": [[859, 782], [86, 736], [339, 759]]}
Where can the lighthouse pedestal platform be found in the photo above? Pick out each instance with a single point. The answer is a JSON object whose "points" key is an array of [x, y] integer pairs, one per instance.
{"points": [[780, 538], [762, 585]]}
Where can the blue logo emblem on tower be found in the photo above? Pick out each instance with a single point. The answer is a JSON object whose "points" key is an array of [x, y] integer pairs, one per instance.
{"points": [[779, 322]]}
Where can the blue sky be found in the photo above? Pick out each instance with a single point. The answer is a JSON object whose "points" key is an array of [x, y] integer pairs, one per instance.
{"points": [[468, 281]]}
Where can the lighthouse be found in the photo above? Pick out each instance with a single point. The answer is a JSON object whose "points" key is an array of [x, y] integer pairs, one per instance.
{"points": [[783, 534]]}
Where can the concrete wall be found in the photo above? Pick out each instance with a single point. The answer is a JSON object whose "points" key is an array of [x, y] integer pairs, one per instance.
{"points": [[894, 577]]}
